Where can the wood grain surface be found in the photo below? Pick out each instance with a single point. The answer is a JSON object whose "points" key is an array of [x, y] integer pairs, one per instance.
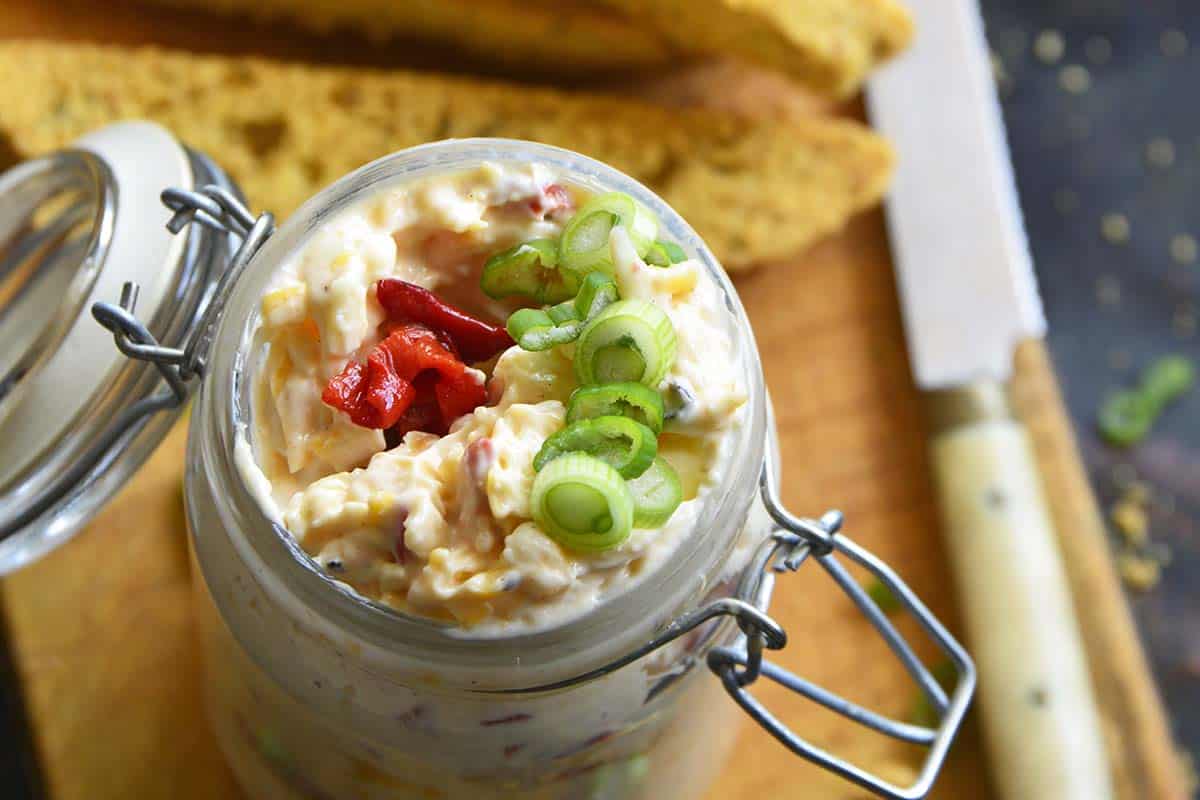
{"points": [[103, 632]]}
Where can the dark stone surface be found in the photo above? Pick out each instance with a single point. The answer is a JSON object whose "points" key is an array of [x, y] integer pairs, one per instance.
{"points": [[1114, 308]]}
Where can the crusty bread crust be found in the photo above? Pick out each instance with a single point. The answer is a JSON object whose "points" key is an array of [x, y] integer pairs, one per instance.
{"points": [[757, 191], [567, 36], [829, 45]]}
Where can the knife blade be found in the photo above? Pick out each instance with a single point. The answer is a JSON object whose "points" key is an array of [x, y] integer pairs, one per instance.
{"points": [[969, 297]]}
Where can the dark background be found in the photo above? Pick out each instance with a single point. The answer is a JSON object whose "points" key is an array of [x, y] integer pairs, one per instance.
{"points": [[1111, 126], [1114, 307]]}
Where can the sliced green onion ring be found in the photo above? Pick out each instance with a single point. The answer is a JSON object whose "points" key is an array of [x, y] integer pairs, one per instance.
{"points": [[664, 254], [529, 270], [584, 244], [534, 329], [1168, 377], [543, 328], [630, 340], [597, 293], [628, 447], [582, 503], [657, 492], [639, 403], [1127, 417]]}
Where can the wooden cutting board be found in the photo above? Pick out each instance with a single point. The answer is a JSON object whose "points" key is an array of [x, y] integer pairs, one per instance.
{"points": [[102, 629]]}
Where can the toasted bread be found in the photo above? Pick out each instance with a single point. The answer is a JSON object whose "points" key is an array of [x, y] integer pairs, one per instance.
{"points": [[757, 191], [829, 45]]}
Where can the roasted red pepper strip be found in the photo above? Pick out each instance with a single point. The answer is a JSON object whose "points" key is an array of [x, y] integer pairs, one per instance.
{"points": [[410, 381], [458, 396], [474, 339], [371, 393]]}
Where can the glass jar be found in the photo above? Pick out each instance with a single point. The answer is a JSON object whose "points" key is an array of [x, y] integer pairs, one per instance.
{"points": [[317, 692]]}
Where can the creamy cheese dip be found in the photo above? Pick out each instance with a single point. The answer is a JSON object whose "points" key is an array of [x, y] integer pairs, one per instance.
{"points": [[441, 526]]}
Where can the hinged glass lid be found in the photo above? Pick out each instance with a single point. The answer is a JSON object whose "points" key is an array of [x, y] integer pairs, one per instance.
{"points": [[56, 220], [75, 226]]}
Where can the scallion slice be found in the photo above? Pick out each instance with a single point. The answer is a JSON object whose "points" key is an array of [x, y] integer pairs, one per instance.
{"points": [[529, 270], [535, 329], [626, 446], [543, 328], [656, 494], [664, 254], [584, 244], [639, 403], [630, 340], [597, 293], [582, 503]]}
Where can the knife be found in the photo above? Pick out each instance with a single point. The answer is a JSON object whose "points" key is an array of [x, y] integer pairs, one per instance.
{"points": [[969, 297]]}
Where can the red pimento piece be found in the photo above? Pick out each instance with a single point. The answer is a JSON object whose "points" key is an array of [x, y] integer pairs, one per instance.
{"points": [[423, 414], [474, 339], [410, 381], [414, 349], [553, 200], [459, 395], [372, 393]]}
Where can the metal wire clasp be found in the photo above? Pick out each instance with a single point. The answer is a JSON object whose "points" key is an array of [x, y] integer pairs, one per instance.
{"points": [[217, 208], [740, 665]]}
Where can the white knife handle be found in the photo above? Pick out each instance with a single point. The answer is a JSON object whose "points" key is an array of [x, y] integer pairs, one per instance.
{"points": [[1039, 712]]}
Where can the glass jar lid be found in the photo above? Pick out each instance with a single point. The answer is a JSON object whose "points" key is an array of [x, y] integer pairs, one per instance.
{"points": [[75, 227]]}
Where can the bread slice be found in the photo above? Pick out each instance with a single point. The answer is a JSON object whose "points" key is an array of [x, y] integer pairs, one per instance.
{"points": [[756, 191], [564, 36], [829, 45]]}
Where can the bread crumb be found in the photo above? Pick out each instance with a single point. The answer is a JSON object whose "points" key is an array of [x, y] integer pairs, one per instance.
{"points": [[1160, 152], [1075, 79], [1173, 42], [1140, 561], [1133, 523], [1115, 228], [1140, 573], [1049, 47], [1184, 248]]}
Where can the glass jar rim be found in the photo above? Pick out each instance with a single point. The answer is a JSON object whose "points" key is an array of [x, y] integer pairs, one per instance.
{"points": [[293, 573]]}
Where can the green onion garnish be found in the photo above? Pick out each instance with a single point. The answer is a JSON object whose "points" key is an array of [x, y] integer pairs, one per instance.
{"points": [[656, 494], [639, 403], [1126, 417], [582, 503], [543, 328], [631, 340], [584, 245], [628, 447], [534, 329], [529, 270], [664, 254], [597, 293]]}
